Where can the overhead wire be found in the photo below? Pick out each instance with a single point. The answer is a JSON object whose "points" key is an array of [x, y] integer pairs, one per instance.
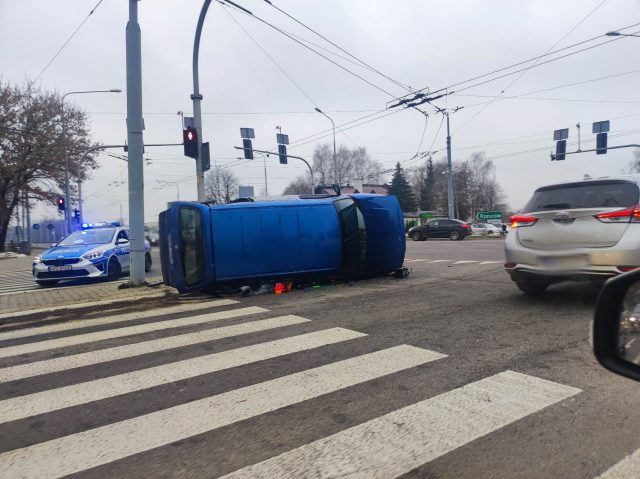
{"points": [[525, 71], [67, 41], [362, 62]]}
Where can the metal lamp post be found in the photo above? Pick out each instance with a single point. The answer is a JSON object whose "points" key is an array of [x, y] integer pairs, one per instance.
{"points": [[67, 194], [333, 126]]}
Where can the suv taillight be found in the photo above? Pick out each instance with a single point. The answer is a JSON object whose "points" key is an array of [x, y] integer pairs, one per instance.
{"points": [[519, 221], [629, 215]]}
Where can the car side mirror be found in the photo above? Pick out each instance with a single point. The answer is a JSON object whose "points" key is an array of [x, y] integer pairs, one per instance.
{"points": [[122, 241], [616, 325]]}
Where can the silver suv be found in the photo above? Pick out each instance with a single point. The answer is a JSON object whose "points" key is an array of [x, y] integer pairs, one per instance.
{"points": [[583, 230]]}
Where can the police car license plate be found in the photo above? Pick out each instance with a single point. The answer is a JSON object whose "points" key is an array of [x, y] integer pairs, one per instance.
{"points": [[60, 268]]}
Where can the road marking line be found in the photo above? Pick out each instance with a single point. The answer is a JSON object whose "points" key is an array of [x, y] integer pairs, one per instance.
{"points": [[46, 401], [81, 451], [48, 366], [464, 261], [440, 261], [86, 323], [492, 262], [394, 444], [61, 309], [626, 469], [126, 331]]}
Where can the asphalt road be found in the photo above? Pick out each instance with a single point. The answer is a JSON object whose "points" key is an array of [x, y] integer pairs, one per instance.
{"points": [[15, 275], [450, 373]]}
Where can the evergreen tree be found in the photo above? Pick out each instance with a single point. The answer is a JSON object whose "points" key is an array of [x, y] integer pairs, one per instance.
{"points": [[402, 190], [426, 188]]}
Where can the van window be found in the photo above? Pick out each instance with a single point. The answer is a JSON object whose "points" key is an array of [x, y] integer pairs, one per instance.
{"points": [[594, 194], [354, 238], [191, 245]]}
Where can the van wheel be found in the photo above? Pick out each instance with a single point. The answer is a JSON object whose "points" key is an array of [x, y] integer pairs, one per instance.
{"points": [[114, 270], [454, 236], [147, 262], [532, 286], [416, 236]]}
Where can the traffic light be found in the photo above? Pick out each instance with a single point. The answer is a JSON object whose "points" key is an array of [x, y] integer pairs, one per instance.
{"points": [[282, 153], [76, 213], [601, 144], [60, 203], [190, 140], [561, 149], [248, 149]]}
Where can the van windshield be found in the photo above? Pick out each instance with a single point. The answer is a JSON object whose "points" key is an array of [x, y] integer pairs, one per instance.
{"points": [[191, 245], [594, 194], [354, 238]]}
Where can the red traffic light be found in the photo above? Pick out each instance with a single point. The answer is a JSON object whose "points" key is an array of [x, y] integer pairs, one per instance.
{"points": [[190, 141], [190, 135], [60, 203]]}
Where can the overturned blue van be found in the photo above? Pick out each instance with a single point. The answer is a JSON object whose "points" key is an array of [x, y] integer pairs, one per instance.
{"points": [[205, 246]]}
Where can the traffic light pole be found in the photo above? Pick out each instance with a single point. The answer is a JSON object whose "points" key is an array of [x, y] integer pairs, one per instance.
{"points": [[449, 171], [197, 100], [553, 157], [288, 156]]}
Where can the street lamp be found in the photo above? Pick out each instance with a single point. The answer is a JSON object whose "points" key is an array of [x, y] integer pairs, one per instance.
{"points": [[334, 133], [618, 34], [67, 222]]}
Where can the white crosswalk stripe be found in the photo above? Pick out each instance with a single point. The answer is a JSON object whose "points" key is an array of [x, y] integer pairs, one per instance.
{"points": [[84, 450], [37, 368], [56, 328], [126, 331], [396, 443], [386, 446], [17, 281], [628, 468]]}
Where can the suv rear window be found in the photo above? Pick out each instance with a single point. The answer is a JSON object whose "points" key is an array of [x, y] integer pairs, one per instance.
{"points": [[594, 194]]}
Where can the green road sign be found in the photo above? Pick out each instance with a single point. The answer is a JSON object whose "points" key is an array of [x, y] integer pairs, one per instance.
{"points": [[427, 216], [489, 215]]}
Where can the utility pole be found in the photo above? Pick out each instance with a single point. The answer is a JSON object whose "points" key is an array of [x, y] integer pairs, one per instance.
{"points": [[135, 127], [449, 170]]}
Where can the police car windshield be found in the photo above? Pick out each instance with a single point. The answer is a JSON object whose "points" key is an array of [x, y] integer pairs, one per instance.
{"points": [[101, 236]]}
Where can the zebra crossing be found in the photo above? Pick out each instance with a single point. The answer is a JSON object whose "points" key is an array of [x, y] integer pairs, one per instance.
{"points": [[452, 261], [16, 281], [385, 446]]}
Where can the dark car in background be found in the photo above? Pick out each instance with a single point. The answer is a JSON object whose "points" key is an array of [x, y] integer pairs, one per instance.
{"points": [[441, 228]]}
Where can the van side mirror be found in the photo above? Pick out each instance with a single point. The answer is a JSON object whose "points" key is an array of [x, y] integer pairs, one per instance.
{"points": [[616, 326]]}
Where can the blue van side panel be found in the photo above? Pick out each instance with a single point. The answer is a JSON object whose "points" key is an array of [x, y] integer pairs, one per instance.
{"points": [[268, 239], [384, 223]]}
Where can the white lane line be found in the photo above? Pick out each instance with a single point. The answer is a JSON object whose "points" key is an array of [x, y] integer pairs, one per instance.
{"points": [[82, 393], [86, 323], [628, 468], [492, 262], [441, 261], [394, 444], [102, 445], [415, 260], [48, 366], [465, 261], [127, 331], [60, 309]]}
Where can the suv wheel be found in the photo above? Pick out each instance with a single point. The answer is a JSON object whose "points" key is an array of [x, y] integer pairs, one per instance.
{"points": [[114, 270], [455, 235], [532, 285], [416, 236]]}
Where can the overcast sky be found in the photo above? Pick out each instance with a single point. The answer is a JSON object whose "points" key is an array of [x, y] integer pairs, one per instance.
{"points": [[420, 44]]}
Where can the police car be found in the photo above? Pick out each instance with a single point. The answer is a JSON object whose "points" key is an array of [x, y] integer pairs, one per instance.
{"points": [[96, 250]]}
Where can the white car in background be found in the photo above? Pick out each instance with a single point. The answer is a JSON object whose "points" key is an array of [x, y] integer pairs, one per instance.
{"points": [[485, 229], [582, 230]]}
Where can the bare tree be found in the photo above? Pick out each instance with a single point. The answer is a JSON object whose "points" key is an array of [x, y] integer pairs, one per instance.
{"points": [[32, 147], [347, 166], [220, 185], [634, 165], [299, 186]]}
